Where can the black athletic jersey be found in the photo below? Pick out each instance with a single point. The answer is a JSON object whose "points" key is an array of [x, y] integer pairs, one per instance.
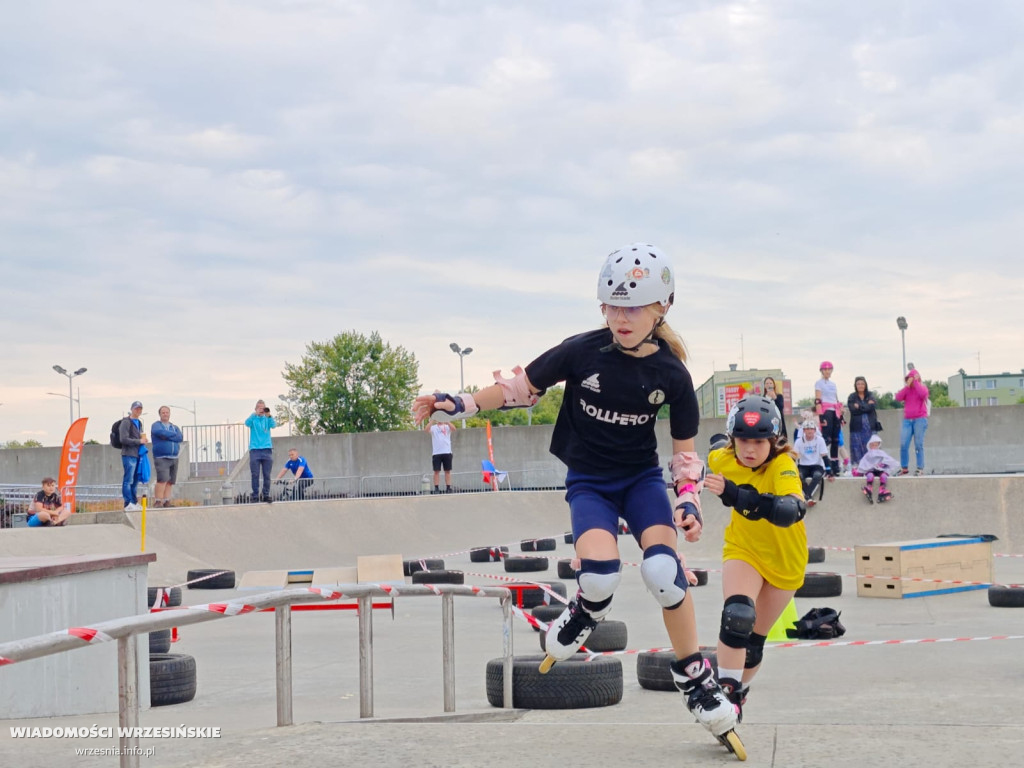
{"points": [[606, 423]]}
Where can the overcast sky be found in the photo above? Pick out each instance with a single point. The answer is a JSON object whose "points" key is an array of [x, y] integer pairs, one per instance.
{"points": [[191, 192]]}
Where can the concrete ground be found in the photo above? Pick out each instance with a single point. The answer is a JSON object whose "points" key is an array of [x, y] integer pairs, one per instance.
{"points": [[949, 703]]}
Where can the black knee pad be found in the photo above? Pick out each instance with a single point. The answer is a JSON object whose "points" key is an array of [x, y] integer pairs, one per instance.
{"points": [[755, 650], [737, 621]]}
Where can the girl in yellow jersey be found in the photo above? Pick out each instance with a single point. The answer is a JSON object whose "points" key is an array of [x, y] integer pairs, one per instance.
{"points": [[765, 542]]}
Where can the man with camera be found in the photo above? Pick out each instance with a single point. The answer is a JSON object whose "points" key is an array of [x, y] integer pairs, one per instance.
{"points": [[261, 450]]}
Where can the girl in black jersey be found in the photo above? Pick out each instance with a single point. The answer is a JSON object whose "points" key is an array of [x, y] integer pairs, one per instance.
{"points": [[616, 379]]}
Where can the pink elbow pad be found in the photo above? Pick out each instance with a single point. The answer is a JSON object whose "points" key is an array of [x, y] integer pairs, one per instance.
{"points": [[516, 389]]}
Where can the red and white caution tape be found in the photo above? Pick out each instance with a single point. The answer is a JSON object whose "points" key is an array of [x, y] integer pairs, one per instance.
{"points": [[837, 643], [829, 643], [228, 609], [545, 588], [89, 635]]}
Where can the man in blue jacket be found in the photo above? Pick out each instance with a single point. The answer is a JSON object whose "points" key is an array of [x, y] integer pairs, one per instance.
{"points": [[261, 449], [166, 439]]}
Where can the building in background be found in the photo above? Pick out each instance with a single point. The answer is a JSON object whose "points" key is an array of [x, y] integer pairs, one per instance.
{"points": [[986, 389], [718, 394]]}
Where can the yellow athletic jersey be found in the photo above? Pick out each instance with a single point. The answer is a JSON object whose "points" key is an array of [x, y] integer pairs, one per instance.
{"points": [[778, 554]]}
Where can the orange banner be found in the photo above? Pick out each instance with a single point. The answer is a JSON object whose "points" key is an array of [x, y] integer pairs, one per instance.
{"points": [[70, 461], [490, 455]]}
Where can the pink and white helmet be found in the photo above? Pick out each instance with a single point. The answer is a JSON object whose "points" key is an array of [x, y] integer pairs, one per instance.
{"points": [[825, 364], [636, 275]]}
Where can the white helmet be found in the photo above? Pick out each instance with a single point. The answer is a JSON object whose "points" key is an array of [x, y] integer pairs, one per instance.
{"points": [[636, 275]]}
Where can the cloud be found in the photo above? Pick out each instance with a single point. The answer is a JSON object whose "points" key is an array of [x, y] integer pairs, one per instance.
{"points": [[190, 195]]}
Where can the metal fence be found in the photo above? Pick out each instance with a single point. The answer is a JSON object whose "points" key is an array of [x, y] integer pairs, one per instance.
{"points": [[125, 629], [15, 498], [216, 489], [215, 449]]}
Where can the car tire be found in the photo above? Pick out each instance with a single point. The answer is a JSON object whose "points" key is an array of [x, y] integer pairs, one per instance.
{"points": [[654, 673], [172, 679], [608, 635], [1006, 595], [525, 564], [487, 554], [224, 579], [817, 584], [575, 683], [438, 577], [170, 596], [159, 641], [409, 567]]}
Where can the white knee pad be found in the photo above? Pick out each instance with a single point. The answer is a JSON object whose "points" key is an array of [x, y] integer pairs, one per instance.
{"points": [[663, 574], [598, 580]]}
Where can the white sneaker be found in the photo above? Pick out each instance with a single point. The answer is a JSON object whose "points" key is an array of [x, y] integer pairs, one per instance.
{"points": [[132, 507]]}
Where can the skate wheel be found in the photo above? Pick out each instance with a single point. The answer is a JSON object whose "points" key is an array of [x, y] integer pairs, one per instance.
{"points": [[546, 665], [733, 744]]}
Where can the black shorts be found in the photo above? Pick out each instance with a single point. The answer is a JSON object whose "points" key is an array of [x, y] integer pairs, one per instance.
{"points": [[442, 461]]}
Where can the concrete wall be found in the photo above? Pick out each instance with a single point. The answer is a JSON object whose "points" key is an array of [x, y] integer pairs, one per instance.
{"points": [[76, 682], [334, 532], [959, 441]]}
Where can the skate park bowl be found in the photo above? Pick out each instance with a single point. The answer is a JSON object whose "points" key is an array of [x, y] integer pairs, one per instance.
{"points": [[883, 693]]}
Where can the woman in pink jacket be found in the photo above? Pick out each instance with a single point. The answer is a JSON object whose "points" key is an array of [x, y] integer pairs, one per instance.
{"points": [[914, 397]]}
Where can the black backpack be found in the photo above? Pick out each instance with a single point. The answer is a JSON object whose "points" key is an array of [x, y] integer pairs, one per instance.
{"points": [[115, 434], [818, 624]]}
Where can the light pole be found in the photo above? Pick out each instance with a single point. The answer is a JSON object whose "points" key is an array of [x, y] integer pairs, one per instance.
{"points": [[901, 323], [461, 353], [71, 394], [288, 405]]}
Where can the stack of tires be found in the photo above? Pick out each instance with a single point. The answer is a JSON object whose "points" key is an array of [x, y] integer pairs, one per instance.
{"points": [[172, 676]]}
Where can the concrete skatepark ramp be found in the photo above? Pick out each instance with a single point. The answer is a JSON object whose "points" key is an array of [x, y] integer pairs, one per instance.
{"points": [[333, 533]]}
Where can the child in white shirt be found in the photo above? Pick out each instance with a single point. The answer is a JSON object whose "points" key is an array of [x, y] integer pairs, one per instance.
{"points": [[877, 462], [811, 452]]}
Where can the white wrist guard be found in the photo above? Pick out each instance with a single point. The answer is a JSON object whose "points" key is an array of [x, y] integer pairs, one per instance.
{"points": [[516, 390], [465, 406], [688, 476]]}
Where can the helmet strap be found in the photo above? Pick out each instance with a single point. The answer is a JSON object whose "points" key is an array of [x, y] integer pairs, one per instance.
{"points": [[648, 340]]}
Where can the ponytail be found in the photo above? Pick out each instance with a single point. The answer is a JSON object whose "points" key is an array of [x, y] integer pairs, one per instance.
{"points": [[674, 341]]}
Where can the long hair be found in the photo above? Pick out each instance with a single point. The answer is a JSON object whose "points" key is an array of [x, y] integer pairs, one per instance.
{"points": [[674, 341], [867, 389]]}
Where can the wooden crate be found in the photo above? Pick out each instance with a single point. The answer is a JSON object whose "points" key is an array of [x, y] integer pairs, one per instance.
{"points": [[966, 559]]}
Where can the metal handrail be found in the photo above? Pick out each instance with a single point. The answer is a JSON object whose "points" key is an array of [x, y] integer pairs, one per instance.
{"points": [[125, 629]]}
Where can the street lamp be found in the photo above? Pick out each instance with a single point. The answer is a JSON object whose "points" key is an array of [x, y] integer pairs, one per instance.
{"points": [[461, 353], [71, 394], [901, 323], [288, 406]]}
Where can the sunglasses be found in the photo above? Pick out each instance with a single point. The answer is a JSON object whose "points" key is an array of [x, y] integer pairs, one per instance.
{"points": [[631, 313]]}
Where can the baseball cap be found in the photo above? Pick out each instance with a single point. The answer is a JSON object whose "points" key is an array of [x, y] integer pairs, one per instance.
{"points": [[135, 405]]}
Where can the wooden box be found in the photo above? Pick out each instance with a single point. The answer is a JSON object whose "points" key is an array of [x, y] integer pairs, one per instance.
{"points": [[937, 563]]}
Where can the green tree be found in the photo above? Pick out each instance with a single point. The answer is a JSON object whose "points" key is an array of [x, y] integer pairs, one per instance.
{"points": [[938, 391], [27, 444], [544, 412], [887, 402], [805, 402], [352, 383]]}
